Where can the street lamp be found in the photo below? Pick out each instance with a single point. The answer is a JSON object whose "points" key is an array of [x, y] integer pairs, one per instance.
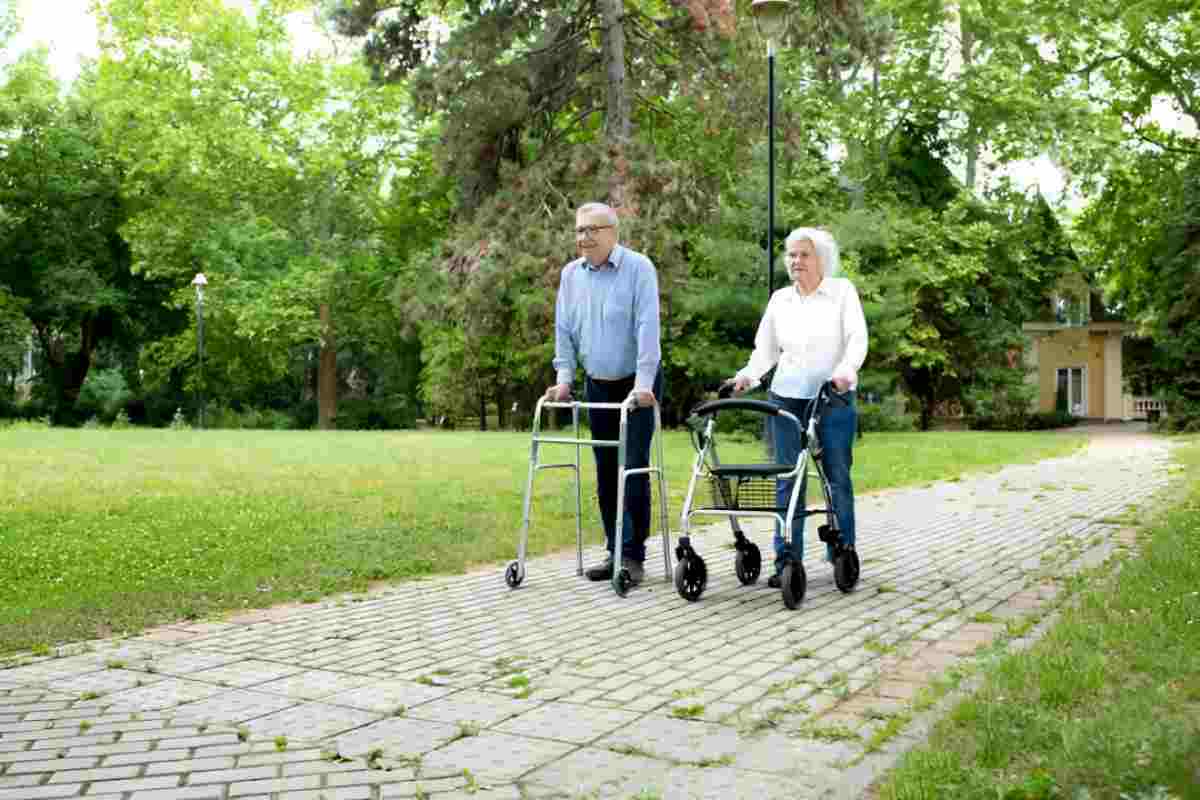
{"points": [[200, 282], [770, 20]]}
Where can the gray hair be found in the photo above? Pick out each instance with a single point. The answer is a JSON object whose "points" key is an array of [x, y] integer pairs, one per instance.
{"points": [[823, 242], [600, 208]]}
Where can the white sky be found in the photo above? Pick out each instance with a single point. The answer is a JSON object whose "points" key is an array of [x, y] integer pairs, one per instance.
{"points": [[68, 29]]}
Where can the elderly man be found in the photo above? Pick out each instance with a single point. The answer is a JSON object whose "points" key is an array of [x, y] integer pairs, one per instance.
{"points": [[606, 320]]}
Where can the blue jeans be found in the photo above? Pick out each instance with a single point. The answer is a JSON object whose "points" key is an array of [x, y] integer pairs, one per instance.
{"points": [[635, 524], [836, 430]]}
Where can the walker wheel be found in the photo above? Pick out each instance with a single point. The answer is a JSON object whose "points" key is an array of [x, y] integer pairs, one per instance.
{"points": [[622, 582], [514, 574], [845, 570], [691, 576], [795, 582], [748, 564]]}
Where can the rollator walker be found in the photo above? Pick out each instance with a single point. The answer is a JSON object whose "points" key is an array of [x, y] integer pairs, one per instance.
{"points": [[514, 575], [749, 490]]}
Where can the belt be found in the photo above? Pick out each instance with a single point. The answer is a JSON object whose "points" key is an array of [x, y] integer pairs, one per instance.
{"points": [[594, 379]]}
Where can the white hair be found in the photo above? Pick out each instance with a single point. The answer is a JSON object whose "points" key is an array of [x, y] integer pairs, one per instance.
{"points": [[823, 242], [600, 208]]}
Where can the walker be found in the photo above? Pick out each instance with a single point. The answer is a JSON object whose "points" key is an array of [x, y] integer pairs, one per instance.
{"points": [[514, 575], [748, 490]]}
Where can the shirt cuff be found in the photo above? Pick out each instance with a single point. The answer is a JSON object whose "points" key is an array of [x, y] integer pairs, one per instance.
{"points": [[848, 373], [644, 382], [566, 377], [754, 382]]}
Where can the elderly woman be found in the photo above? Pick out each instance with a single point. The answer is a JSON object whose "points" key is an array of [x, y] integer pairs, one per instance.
{"points": [[812, 331]]}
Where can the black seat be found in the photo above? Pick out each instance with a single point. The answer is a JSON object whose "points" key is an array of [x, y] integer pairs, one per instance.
{"points": [[750, 470]]}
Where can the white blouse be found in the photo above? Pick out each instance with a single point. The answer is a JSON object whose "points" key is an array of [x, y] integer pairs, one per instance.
{"points": [[812, 338]]}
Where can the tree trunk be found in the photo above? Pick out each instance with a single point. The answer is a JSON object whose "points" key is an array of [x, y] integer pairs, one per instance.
{"points": [[327, 373], [967, 37], [482, 411], [617, 120], [68, 371], [502, 414]]}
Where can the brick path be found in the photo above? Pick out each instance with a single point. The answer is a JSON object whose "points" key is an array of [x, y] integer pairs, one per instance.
{"points": [[458, 687]]}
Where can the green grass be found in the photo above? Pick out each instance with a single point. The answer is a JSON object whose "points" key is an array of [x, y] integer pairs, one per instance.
{"points": [[104, 532], [1106, 706]]}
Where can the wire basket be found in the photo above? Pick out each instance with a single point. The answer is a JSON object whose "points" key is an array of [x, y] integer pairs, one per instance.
{"points": [[743, 493]]}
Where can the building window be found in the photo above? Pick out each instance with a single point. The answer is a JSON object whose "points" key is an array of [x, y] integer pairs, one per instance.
{"points": [[1071, 310]]}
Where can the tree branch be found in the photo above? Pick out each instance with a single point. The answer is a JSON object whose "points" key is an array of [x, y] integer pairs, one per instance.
{"points": [[1166, 148]]}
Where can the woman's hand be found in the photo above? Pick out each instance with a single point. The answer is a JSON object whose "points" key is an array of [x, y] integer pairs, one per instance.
{"points": [[740, 384]]}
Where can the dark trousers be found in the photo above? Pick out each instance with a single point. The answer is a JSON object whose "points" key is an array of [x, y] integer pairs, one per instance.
{"points": [[635, 528]]}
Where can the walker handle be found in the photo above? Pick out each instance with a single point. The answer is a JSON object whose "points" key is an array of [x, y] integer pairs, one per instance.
{"points": [[713, 406]]}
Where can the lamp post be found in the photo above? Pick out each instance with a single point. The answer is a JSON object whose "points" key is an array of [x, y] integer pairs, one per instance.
{"points": [[770, 20], [200, 282]]}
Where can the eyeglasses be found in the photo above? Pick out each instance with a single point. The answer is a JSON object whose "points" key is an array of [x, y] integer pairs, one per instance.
{"points": [[590, 230]]}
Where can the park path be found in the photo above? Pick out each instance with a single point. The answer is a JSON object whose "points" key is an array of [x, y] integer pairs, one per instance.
{"points": [[458, 687]]}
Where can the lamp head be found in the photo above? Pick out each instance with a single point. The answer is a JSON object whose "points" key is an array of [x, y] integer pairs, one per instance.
{"points": [[770, 19], [199, 282]]}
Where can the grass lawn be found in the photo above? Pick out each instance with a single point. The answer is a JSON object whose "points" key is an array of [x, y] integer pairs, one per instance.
{"points": [[1106, 706], [105, 532]]}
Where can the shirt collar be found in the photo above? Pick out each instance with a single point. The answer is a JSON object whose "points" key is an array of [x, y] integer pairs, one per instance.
{"points": [[613, 263], [824, 287]]}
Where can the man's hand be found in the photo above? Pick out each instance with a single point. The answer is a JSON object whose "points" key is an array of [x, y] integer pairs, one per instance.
{"points": [[645, 399], [559, 393], [740, 384], [842, 381]]}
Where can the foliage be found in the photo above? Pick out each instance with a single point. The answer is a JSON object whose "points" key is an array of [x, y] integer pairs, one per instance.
{"points": [[104, 394], [63, 263], [1183, 416], [1144, 230], [883, 418], [287, 160]]}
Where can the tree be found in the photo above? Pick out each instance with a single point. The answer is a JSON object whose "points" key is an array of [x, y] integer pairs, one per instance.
{"points": [[1137, 66], [947, 279], [259, 167], [63, 262], [1143, 234]]}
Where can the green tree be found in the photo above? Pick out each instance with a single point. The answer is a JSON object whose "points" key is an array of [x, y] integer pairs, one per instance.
{"points": [[262, 168], [63, 262]]}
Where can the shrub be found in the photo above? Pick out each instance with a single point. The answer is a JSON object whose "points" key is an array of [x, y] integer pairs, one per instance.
{"points": [[1016, 421], [390, 412], [103, 394], [1182, 417], [882, 417]]}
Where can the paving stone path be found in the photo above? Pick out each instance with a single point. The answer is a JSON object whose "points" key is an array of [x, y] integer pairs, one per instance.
{"points": [[458, 687]]}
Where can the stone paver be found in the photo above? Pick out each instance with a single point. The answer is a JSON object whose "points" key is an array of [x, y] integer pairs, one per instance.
{"points": [[458, 687]]}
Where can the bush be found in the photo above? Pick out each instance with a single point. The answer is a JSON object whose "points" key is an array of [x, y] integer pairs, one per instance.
{"points": [[1039, 421], [881, 417], [376, 413], [221, 416], [103, 394], [1182, 417]]}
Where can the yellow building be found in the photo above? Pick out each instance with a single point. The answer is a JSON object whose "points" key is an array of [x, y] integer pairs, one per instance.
{"points": [[1075, 358]]}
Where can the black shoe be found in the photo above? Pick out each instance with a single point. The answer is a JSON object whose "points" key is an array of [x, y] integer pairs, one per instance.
{"points": [[603, 572], [775, 581]]}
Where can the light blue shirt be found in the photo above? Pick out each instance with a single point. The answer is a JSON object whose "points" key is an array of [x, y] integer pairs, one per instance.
{"points": [[606, 318]]}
